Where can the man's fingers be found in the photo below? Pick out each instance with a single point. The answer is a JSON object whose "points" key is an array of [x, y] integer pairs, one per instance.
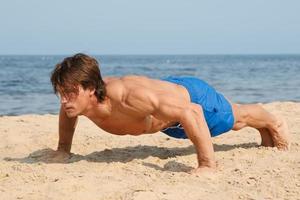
{"points": [[202, 171]]}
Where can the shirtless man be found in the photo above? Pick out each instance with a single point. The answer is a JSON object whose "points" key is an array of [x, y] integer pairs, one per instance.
{"points": [[181, 107]]}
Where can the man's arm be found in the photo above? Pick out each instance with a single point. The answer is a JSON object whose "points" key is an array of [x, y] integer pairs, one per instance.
{"points": [[66, 131], [192, 119], [190, 115], [196, 128]]}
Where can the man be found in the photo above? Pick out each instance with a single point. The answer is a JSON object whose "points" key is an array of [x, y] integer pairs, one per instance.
{"points": [[181, 107]]}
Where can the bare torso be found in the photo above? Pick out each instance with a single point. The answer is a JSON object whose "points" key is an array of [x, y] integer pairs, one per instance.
{"points": [[122, 120]]}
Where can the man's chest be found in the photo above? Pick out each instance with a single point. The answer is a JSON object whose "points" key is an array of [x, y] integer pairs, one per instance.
{"points": [[122, 124]]}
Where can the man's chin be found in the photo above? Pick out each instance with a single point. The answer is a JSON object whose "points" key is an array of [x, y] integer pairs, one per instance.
{"points": [[71, 114]]}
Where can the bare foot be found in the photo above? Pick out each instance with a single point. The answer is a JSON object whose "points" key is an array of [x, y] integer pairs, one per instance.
{"points": [[281, 135], [266, 138]]}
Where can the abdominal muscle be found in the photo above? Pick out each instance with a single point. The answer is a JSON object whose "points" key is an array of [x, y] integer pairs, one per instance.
{"points": [[154, 125], [147, 125]]}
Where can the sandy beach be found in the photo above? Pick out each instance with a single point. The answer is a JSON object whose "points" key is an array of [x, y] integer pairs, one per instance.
{"points": [[105, 166]]}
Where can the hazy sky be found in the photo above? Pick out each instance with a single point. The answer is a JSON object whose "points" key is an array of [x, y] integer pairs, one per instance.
{"points": [[149, 27]]}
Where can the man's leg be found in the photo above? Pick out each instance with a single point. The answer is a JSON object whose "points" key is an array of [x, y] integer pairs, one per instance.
{"points": [[273, 130]]}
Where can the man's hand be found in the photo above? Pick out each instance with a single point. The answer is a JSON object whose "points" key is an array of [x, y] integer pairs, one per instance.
{"points": [[51, 156], [57, 157], [202, 170]]}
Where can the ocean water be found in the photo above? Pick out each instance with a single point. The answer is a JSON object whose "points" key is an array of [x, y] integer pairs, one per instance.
{"points": [[25, 85]]}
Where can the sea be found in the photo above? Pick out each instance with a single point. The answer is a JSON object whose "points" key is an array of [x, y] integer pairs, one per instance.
{"points": [[25, 86]]}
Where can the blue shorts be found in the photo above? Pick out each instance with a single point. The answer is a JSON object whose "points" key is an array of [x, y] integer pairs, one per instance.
{"points": [[217, 110]]}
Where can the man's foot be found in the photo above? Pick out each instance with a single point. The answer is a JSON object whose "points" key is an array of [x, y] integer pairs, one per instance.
{"points": [[280, 134], [266, 137]]}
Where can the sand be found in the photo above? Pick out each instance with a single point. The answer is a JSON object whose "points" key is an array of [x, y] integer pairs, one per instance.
{"points": [[106, 166]]}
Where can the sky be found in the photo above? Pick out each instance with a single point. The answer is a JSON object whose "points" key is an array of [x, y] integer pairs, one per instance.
{"points": [[149, 27]]}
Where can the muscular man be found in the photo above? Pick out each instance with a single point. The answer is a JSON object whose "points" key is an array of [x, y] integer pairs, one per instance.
{"points": [[181, 107]]}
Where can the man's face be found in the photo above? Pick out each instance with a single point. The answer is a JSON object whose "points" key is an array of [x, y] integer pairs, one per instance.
{"points": [[74, 101]]}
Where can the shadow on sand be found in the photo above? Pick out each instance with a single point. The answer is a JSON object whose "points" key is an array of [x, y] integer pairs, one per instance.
{"points": [[125, 154]]}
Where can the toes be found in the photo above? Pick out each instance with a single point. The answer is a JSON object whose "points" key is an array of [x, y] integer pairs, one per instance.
{"points": [[283, 141]]}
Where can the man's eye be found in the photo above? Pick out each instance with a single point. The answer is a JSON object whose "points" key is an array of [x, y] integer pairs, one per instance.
{"points": [[68, 91], [71, 95]]}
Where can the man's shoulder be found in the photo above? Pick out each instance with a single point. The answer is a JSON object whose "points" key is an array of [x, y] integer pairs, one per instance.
{"points": [[115, 89], [124, 79], [119, 88], [132, 77]]}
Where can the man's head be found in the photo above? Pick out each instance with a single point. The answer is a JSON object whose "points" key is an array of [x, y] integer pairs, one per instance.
{"points": [[76, 79]]}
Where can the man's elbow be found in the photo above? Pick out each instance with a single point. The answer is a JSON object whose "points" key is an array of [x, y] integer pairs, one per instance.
{"points": [[192, 111]]}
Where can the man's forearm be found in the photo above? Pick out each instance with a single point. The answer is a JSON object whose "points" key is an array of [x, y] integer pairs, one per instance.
{"points": [[66, 132], [197, 130]]}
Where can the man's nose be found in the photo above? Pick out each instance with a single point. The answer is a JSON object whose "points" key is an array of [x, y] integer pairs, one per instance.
{"points": [[63, 100]]}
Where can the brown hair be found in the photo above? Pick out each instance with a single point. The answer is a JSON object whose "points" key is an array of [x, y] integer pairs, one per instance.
{"points": [[76, 70]]}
